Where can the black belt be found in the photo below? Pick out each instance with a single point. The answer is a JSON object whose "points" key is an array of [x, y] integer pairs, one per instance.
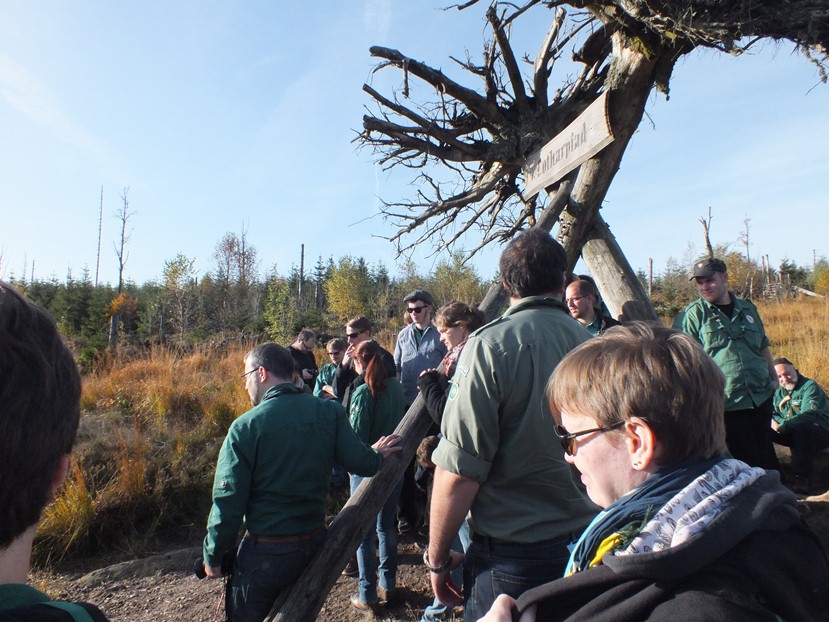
{"points": [[303, 537]]}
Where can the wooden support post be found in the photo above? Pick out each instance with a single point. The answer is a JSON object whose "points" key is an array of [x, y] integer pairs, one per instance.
{"points": [[304, 600]]}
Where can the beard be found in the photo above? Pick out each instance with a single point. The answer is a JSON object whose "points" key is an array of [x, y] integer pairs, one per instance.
{"points": [[790, 386]]}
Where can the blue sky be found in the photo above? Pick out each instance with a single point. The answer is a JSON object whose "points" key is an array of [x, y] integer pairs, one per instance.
{"points": [[224, 115]]}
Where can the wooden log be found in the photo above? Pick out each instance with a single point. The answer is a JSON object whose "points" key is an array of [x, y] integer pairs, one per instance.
{"points": [[630, 81], [621, 289]]}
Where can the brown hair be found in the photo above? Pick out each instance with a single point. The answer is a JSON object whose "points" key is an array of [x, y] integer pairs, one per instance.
{"points": [[40, 392], [359, 323], [459, 314], [532, 264], [370, 356], [657, 374]]}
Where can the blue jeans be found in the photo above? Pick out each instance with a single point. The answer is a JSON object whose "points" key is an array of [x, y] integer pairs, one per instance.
{"points": [[437, 610], [261, 571], [492, 567], [386, 532]]}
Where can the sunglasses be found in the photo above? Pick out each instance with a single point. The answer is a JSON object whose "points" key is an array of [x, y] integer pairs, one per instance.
{"points": [[416, 309], [568, 439], [354, 335]]}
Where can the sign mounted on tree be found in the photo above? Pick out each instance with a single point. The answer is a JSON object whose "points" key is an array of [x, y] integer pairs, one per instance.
{"points": [[580, 141]]}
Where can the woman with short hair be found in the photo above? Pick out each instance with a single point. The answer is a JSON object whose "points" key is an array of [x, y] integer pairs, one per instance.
{"points": [[687, 532]]}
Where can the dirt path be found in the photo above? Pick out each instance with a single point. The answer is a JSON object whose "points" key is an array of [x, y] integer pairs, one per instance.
{"points": [[162, 588]]}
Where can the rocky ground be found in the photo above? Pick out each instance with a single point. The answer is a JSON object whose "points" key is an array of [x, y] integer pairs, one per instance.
{"points": [[162, 587]]}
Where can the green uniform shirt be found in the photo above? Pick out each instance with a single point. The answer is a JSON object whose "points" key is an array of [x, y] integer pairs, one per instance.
{"points": [[274, 468], [498, 431], [325, 377], [736, 345], [371, 419], [807, 403]]}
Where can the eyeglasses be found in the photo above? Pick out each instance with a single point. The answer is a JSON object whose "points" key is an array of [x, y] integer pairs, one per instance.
{"points": [[354, 335], [568, 439], [248, 373], [574, 299], [416, 309]]}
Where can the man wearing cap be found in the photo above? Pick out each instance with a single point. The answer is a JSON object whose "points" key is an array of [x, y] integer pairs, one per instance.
{"points": [[418, 348], [801, 420], [418, 345], [731, 332]]}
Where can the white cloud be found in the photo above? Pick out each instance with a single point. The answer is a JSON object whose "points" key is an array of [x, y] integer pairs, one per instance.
{"points": [[377, 17], [29, 95]]}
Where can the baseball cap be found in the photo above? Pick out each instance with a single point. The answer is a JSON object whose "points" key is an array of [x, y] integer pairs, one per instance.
{"points": [[708, 267], [420, 294]]}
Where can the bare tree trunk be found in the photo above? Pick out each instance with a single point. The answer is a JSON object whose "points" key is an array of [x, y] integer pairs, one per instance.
{"points": [[123, 215], [629, 84], [100, 231], [622, 291], [706, 227]]}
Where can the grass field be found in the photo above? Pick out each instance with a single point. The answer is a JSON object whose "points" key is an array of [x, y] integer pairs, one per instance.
{"points": [[151, 430]]}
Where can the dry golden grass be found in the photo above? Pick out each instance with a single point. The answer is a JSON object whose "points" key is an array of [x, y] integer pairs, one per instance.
{"points": [[152, 428], [146, 449], [799, 331]]}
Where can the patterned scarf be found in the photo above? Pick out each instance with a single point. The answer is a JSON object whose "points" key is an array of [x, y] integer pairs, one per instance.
{"points": [[451, 359], [666, 510]]}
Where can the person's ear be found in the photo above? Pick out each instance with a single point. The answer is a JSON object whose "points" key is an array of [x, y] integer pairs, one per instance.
{"points": [[61, 472], [641, 444]]}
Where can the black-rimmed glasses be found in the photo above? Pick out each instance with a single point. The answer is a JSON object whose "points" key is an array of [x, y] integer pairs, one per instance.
{"points": [[416, 309], [248, 373], [568, 439]]}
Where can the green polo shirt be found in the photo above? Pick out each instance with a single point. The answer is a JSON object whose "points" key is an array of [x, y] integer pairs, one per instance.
{"points": [[807, 404], [372, 418], [274, 468], [736, 345], [498, 431]]}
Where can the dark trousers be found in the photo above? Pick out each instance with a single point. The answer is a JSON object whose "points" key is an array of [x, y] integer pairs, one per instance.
{"points": [[805, 440], [492, 567], [412, 501], [748, 436], [261, 571]]}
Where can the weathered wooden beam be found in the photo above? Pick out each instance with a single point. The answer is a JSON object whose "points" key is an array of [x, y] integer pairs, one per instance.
{"points": [[630, 81], [305, 599], [621, 289]]}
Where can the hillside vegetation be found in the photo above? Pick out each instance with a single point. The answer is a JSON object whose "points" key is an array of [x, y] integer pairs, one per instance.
{"points": [[152, 427]]}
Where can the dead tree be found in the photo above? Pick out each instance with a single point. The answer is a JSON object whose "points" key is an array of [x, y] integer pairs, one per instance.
{"points": [[623, 47], [706, 228], [123, 214]]}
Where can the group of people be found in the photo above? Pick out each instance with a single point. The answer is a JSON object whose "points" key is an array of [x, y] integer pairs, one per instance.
{"points": [[679, 511]]}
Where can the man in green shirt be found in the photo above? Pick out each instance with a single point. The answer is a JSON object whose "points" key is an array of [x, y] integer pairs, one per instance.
{"points": [[273, 471], [499, 459], [731, 332], [801, 420], [40, 393], [583, 303]]}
